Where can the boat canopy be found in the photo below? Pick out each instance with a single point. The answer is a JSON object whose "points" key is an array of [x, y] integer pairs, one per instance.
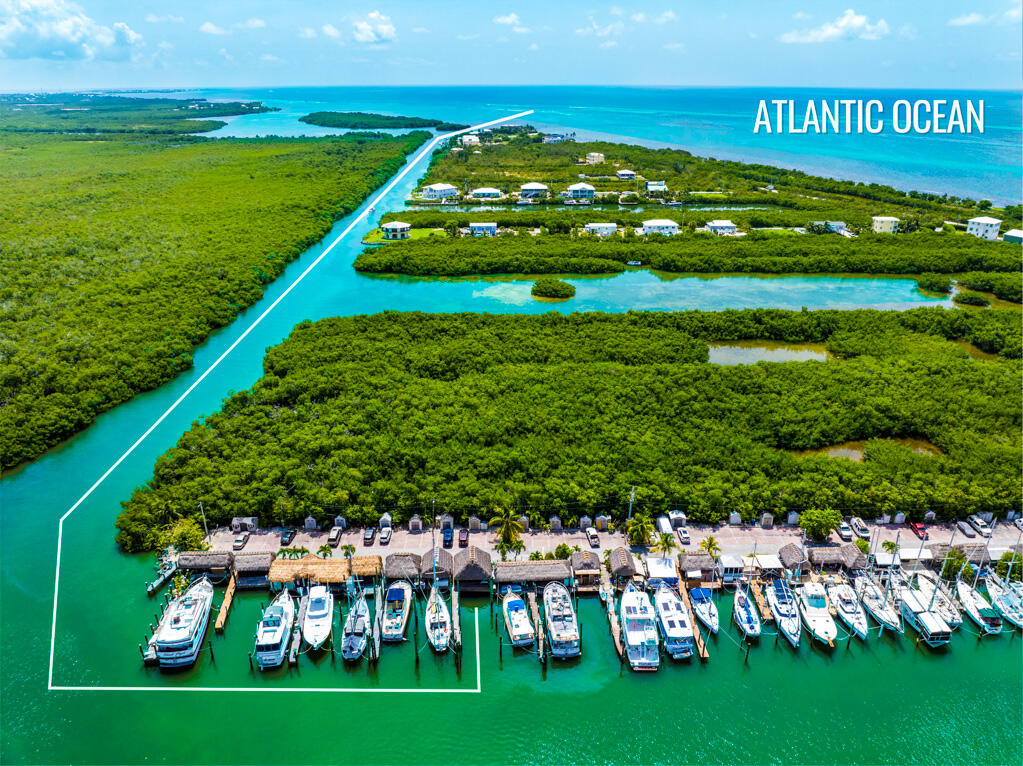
{"points": [[700, 593]]}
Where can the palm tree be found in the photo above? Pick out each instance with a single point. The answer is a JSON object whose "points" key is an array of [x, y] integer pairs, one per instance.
{"points": [[889, 546], [507, 523], [518, 547], [325, 551], [710, 545], [639, 529], [665, 544], [348, 551], [300, 552], [502, 547]]}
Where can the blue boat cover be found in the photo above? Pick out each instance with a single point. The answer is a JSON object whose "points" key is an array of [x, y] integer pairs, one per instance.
{"points": [[395, 594], [700, 593]]}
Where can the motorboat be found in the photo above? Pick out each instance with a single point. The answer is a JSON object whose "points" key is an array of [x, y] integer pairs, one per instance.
{"points": [[562, 624], [937, 598], [516, 620], [704, 608], [785, 611], [319, 616], [397, 605], [980, 611], [881, 607], [179, 636], [438, 621], [674, 623], [1006, 599], [843, 598], [354, 634], [933, 629], [813, 606], [639, 633], [744, 613], [274, 630]]}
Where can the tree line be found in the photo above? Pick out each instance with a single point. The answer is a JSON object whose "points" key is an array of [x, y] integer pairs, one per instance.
{"points": [[371, 121]]}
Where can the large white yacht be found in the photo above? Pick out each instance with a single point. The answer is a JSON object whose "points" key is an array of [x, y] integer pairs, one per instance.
{"points": [[182, 628], [813, 606], [274, 630], [516, 620], [319, 616], [843, 598], [674, 622], [562, 625], [397, 605], [785, 611], [639, 634]]}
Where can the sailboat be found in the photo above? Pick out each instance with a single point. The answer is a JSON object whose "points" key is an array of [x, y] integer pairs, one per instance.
{"points": [[704, 608], [937, 599], [843, 598], [813, 606], [398, 604], [438, 621], [881, 607], [516, 620], [562, 624], [745, 614], [1005, 599], [319, 616], [179, 635], [784, 610], [274, 630], [354, 633], [978, 608], [673, 621], [639, 635]]}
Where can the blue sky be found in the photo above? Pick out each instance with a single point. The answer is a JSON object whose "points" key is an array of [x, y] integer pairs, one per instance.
{"points": [[59, 44]]}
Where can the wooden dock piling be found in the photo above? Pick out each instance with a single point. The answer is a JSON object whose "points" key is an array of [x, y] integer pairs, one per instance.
{"points": [[225, 606], [456, 620], [534, 611]]}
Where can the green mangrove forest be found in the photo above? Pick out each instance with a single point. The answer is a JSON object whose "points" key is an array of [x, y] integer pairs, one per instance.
{"points": [[371, 121]]}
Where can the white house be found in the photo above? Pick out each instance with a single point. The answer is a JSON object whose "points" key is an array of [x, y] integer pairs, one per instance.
{"points": [[396, 230], [601, 229], [594, 158], [626, 175], [836, 226], [470, 139], [723, 228], [533, 190], [486, 192], [1013, 235], [656, 186], [884, 224], [488, 229], [440, 191], [660, 226], [581, 191], [984, 227], [554, 138]]}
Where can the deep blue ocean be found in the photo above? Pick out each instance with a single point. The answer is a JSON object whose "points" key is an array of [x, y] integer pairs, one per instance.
{"points": [[709, 122]]}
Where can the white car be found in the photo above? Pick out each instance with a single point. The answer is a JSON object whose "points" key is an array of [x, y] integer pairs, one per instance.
{"points": [[1019, 524], [385, 535], [980, 525], [859, 527], [591, 535], [845, 531], [683, 535]]}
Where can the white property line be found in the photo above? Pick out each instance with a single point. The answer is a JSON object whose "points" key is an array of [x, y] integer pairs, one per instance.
{"points": [[358, 219]]}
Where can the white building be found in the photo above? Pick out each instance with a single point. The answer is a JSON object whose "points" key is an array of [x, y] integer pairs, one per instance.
{"points": [[836, 226], [984, 227], [656, 186], [723, 228], [581, 191], [660, 226], [440, 191], [533, 190], [1013, 235], [554, 138], [470, 139], [626, 175], [396, 230], [488, 229], [486, 192], [601, 229], [884, 224], [594, 158]]}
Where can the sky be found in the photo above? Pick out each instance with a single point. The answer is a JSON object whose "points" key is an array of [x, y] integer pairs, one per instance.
{"points": [[65, 45]]}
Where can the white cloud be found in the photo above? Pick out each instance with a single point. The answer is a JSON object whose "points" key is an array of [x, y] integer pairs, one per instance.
{"points": [[521, 30], [152, 18], [420, 30], [226, 56], [511, 19], [665, 17], [614, 28], [609, 44], [375, 28], [56, 29], [968, 20], [849, 26], [330, 30], [639, 17], [209, 28], [800, 15], [616, 10], [1013, 15], [674, 47], [251, 24], [165, 46], [268, 57], [534, 47], [307, 33]]}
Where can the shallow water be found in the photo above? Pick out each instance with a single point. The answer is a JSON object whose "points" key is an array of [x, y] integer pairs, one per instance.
{"points": [[751, 352], [855, 450]]}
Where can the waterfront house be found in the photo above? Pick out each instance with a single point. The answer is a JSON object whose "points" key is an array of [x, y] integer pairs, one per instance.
{"points": [[722, 227], [601, 229], [440, 191], [594, 158], [626, 175], [252, 570], [440, 561], [488, 229], [472, 569], [623, 565], [884, 224], [396, 230], [214, 564], [554, 138], [656, 187], [581, 191], [402, 566], [585, 570], [838, 227], [243, 524], [660, 226], [470, 139], [486, 192], [697, 567], [536, 573], [1013, 235], [984, 227], [533, 190]]}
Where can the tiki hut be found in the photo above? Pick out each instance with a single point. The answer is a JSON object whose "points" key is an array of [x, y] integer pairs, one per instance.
{"points": [[472, 569], [586, 570], [852, 557], [791, 556], [402, 566], [252, 570], [313, 570], [532, 572], [623, 566], [443, 561], [974, 553], [696, 566], [826, 557], [212, 563]]}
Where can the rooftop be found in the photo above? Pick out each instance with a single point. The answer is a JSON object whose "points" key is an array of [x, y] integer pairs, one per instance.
{"points": [[531, 571], [985, 219], [660, 222]]}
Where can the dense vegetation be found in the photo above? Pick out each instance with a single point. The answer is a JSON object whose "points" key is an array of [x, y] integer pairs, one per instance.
{"points": [[564, 414], [966, 298], [548, 287], [1008, 287], [370, 121], [118, 255]]}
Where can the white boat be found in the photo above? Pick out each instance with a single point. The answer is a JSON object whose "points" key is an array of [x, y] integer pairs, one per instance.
{"points": [[980, 611], [843, 598], [784, 610], [354, 634], [562, 624], [704, 608], [319, 616], [813, 606], [936, 598], [932, 628], [744, 614], [274, 630], [397, 605], [1005, 599], [639, 634], [674, 623], [438, 621], [179, 636], [516, 620], [882, 608]]}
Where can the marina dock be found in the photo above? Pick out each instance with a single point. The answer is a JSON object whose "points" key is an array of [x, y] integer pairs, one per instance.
{"points": [[534, 611], [225, 605], [456, 620], [758, 597], [612, 618], [701, 645]]}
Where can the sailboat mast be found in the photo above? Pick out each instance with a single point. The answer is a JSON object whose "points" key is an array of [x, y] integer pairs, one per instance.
{"points": [[944, 561]]}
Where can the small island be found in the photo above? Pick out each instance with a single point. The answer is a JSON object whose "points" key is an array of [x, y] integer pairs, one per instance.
{"points": [[370, 121], [549, 287]]}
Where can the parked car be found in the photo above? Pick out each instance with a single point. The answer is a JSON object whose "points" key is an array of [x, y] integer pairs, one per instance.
{"points": [[1019, 524], [980, 525], [918, 529], [287, 536], [369, 535], [591, 535], [966, 529], [683, 535], [385, 535], [334, 538], [447, 536], [239, 542], [463, 538], [845, 531], [859, 527]]}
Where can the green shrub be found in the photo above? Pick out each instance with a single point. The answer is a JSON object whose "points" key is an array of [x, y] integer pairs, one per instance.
{"points": [[549, 287], [965, 298]]}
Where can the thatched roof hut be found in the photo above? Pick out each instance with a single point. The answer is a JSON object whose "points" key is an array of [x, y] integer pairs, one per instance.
{"points": [[254, 562], [853, 557], [323, 571], [837, 557], [791, 556], [585, 563], [692, 562], [622, 563], [205, 561], [973, 552], [402, 566], [444, 564], [472, 565], [536, 572]]}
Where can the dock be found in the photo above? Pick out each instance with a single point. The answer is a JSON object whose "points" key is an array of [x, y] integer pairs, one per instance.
{"points": [[225, 605], [165, 574], [456, 620], [701, 645], [758, 596], [378, 622], [608, 595], [296, 634], [537, 625]]}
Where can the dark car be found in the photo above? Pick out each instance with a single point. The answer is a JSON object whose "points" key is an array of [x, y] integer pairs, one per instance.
{"points": [[368, 535], [287, 536], [918, 529], [463, 538], [448, 536]]}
